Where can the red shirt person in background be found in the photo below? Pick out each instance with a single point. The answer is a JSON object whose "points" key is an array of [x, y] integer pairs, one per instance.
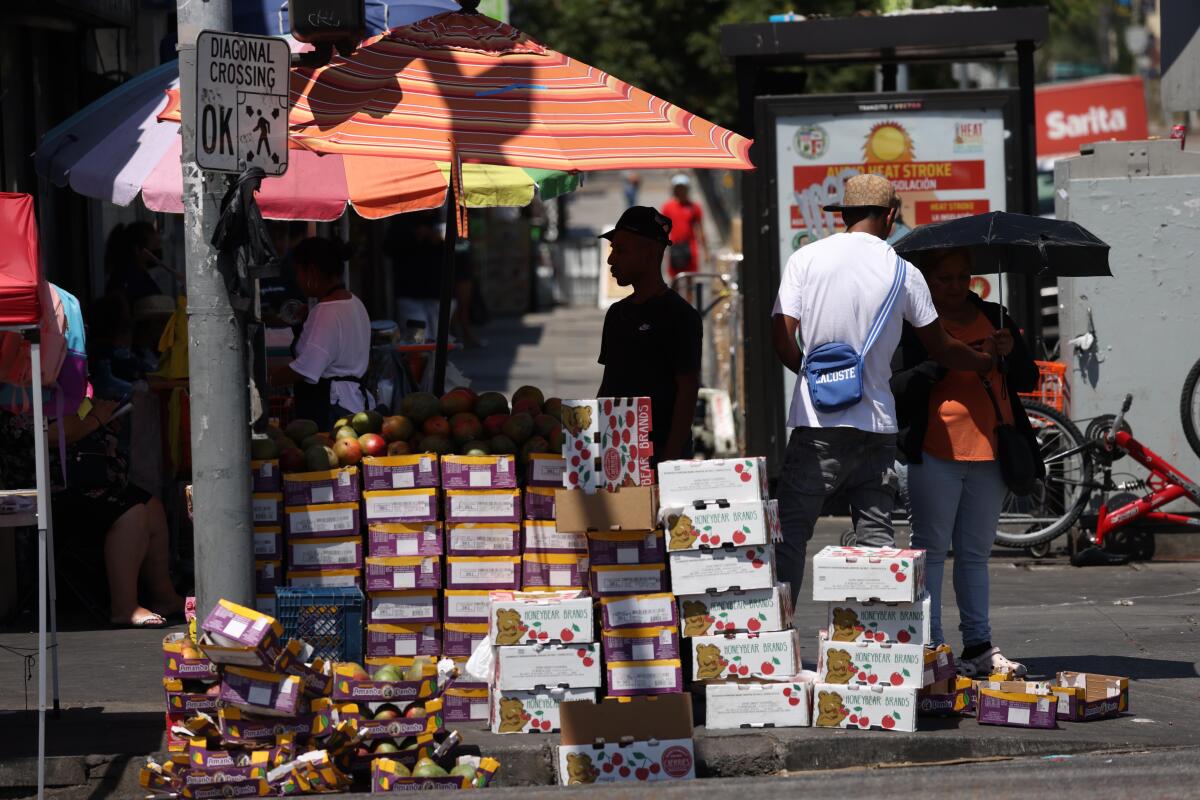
{"points": [[687, 231]]}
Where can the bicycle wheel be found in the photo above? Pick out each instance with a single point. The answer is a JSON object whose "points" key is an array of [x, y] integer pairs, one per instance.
{"points": [[1189, 407], [1041, 517]]}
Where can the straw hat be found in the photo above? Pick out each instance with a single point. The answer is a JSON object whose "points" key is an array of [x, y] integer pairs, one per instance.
{"points": [[867, 191]]}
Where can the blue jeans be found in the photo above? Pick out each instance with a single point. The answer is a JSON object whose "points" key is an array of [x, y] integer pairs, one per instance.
{"points": [[957, 503]]}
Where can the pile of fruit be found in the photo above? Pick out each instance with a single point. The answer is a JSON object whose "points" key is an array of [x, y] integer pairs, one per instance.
{"points": [[461, 422]]}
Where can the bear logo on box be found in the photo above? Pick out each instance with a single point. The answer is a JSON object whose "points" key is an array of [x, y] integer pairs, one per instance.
{"points": [[695, 618], [508, 626], [709, 663], [682, 533], [579, 766], [512, 716], [845, 625], [838, 667], [830, 711], [576, 419]]}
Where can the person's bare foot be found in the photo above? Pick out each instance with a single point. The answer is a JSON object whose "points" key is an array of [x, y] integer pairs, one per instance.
{"points": [[138, 618]]}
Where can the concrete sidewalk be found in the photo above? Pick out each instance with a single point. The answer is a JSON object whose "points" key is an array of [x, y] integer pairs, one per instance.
{"points": [[1140, 621]]}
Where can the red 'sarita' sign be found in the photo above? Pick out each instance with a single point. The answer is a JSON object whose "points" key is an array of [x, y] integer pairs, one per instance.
{"points": [[1094, 110]]}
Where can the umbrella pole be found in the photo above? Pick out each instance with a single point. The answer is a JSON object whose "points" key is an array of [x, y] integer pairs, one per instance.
{"points": [[443, 328]]}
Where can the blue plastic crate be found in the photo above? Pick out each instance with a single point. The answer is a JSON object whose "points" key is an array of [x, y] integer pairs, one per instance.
{"points": [[330, 619]]}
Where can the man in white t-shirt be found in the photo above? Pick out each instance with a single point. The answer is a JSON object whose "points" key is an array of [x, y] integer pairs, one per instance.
{"points": [[831, 291]]}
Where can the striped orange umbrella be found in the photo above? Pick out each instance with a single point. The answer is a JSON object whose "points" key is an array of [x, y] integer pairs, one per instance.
{"points": [[464, 85]]}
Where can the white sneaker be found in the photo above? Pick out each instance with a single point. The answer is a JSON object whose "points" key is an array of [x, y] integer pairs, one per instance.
{"points": [[990, 662]]}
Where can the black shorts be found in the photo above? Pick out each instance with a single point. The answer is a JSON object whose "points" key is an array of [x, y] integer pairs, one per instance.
{"points": [[88, 514]]}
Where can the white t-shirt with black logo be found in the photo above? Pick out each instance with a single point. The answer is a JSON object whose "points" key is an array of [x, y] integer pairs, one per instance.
{"points": [[835, 286]]}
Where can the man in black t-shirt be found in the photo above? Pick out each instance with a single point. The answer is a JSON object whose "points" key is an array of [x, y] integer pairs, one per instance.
{"points": [[651, 341]]}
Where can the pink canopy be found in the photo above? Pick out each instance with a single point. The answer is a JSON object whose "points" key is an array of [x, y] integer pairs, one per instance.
{"points": [[20, 278]]}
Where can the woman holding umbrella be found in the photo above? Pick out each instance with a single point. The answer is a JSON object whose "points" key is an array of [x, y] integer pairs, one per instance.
{"points": [[947, 422]]}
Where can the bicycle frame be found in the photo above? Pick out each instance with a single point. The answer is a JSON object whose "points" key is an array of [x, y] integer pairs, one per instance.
{"points": [[1177, 485]]}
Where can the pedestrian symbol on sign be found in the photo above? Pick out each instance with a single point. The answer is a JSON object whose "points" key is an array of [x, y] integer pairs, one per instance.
{"points": [[263, 127]]}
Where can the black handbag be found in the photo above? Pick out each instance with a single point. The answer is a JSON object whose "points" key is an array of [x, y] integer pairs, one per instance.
{"points": [[91, 464], [1017, 460]]}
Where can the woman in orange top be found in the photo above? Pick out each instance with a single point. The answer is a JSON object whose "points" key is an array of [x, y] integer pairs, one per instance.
{"points": [[947, 427]]}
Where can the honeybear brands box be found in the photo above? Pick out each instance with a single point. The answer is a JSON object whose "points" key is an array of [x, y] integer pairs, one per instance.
{"points": [[1085, 696], [886, 574], [951, 696], [268, 542], [326, 552], [543, 536], [722, 569], [533, 712], [414, 471], [325, 486], [335, 519], [483, 505], [889, 708], [630, 508], [683, 483], [758, 705], [465, 701], [545, 469], [267, 575], [714, 523], [267, 508], [748, 611], [516, 617], [625, 547], [466, 605], [904, 623], [401, 505], [404, 539], [633, 678], [770, 656], [554, 571], [459, 639], [581, 445], [539, 666], [1003, 703], [638, 611], [872, 663], [412, 639], [322, 578], [607, 443], [479, 472], [623, 579], [265, 476], [404, 607], [483, 539], [261, 692], [641, 644], [539, 502], [626, 739], [403, 572], [240, 636], [489, 572]]}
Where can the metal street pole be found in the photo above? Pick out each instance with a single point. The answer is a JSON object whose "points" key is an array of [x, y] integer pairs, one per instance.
{"points": [[224, 543]]}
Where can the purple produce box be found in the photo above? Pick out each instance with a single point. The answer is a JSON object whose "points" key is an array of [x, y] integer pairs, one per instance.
{"points": [[606, 548], [266, 508], [641, 644], [465, 701], [543, 536], [490, 505], [267, 575], [405, 607], [262, 692], [417, 471], [479, 472], [483, 539], [639, 611], [265, 476], [545, 469], [268, 542], [401, 505], [183, 699], [552, 571], [627, 579], [326, 552], [238, 635], [334, 519], [490, 572], [1016, 709], [422, 639], [633, 678], [403, 572], [467, 605], [319, 488], [460, 639], [404, 539], [539, 502]]}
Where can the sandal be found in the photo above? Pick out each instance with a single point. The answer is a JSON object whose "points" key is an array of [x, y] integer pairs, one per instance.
{"points": [[990, 662], [150, 620]]}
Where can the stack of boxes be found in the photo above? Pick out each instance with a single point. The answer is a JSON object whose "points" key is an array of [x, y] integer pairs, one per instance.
{"points": [[190, 682], [324, 540], [721, 531], [267, 504]]}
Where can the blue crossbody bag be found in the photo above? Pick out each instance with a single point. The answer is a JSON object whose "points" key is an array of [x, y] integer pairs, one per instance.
{"points": [[834, 370]]}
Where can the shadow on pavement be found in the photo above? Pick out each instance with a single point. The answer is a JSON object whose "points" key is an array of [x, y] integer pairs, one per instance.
{"points": [[82, 732], [1127, 666]]}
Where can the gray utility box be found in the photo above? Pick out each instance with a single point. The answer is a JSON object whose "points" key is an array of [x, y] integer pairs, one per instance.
{"points": [[1143, 199]]}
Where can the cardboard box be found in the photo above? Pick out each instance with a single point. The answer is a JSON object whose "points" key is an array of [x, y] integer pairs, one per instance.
{"points": [[406, 640], [312, 579], [939, 664], [267, 508], [903, 623], [240, 636], [268, 542], [407, 607], [885, 574], [545, 616], [483, 539], [401, 505], [459, 639], [327, 552], [315, 674], [543, 536], [758, 705], [486, 572], [638, 611], [626, 547], [947, 697], [539, 666], [1015, 708], [545, 469], [770, 656], [715, 523], [749, 611], [874, 663], [265, 477], [265, 603], [889, 708], [640, 644], [540, 502], [404, 539], [479, 472], [533, 712], [190, 697], [184, 660], [637, 678], [628, 579], [683, 483], [267, 575], [395, 728], [493, 505], [348, 684], [625, 446], [554, 571], [581, 445], [403, 572], [1086, 696], [465, 701], [240, 727], [723, 569], [414, 471], [652, 735], [231, 782], [632, 508], [324, 486], [337, 519], [262, 692], [466, 605]]}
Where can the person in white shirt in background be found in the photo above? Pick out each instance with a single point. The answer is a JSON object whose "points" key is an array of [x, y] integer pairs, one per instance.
{"points": [[831, 291], [334, 347]]}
